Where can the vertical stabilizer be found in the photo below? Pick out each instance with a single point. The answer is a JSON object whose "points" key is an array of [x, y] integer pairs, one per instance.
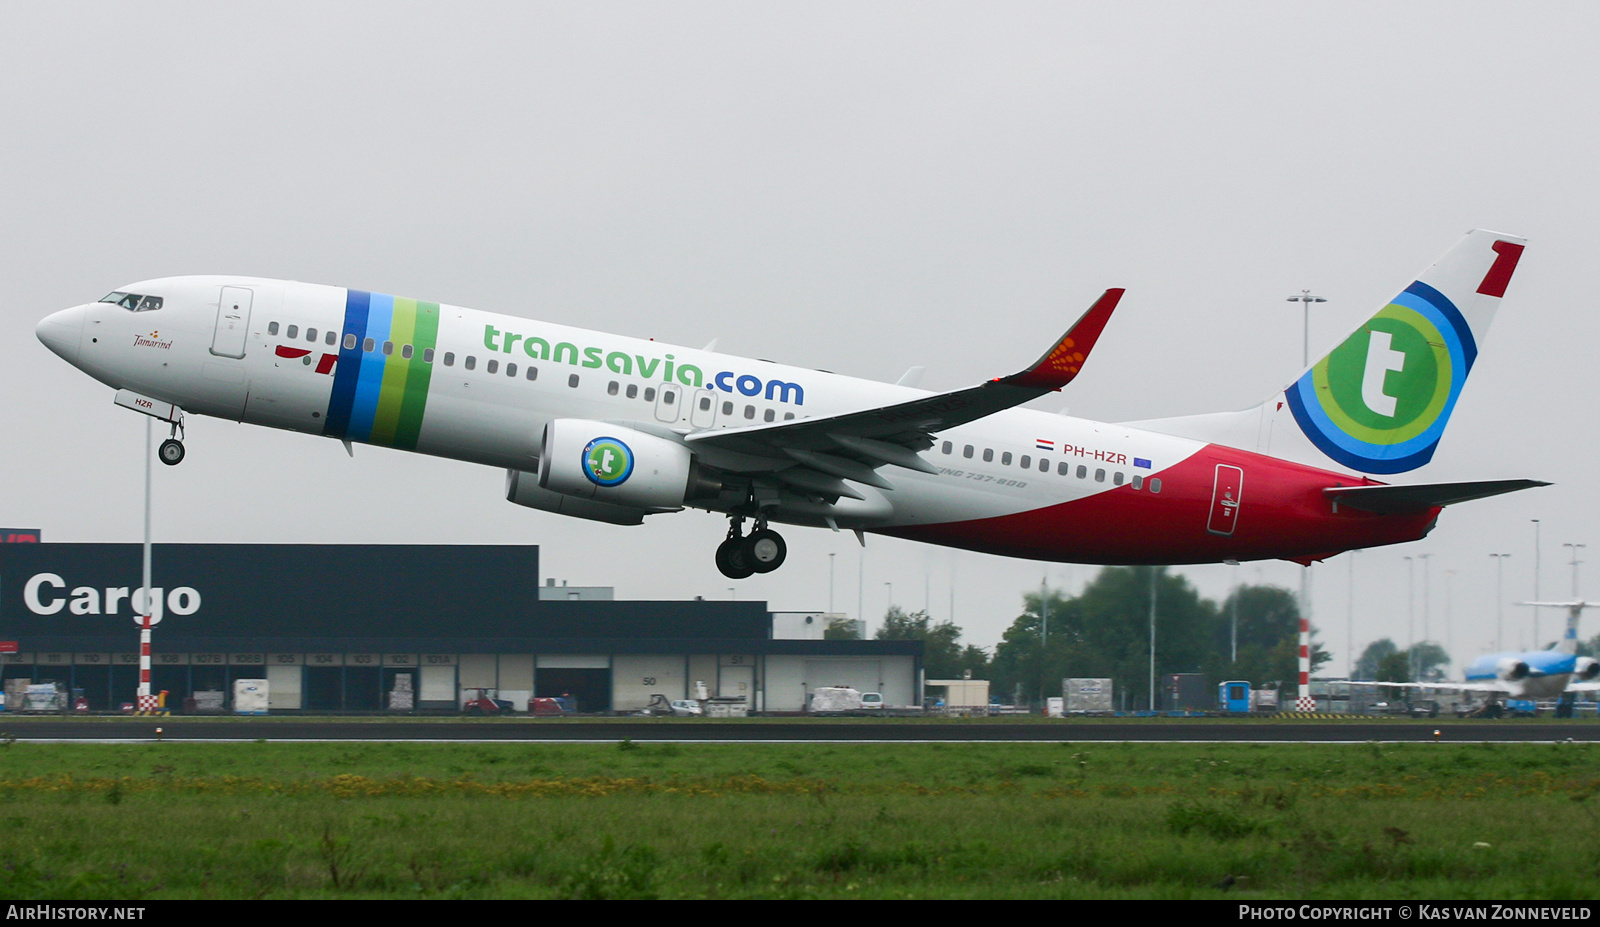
{"points": [[1379, 402]]}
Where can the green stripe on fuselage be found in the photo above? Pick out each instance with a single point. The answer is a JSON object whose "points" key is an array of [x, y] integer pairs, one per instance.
{"points": [[395, 370], [425, 337]]}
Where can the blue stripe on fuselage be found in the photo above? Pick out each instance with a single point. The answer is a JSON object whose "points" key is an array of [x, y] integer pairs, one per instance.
{"points": [[380, 313], [348, 370]]}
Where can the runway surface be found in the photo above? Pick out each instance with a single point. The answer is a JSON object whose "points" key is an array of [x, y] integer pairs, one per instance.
{"points": [[791, 731]]}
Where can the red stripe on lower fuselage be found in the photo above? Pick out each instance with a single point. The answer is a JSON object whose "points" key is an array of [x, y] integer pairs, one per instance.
{"points": [[1281, 513]]}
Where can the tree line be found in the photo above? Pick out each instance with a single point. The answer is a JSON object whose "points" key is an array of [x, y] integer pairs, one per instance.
{"points": [[1104, 632]]}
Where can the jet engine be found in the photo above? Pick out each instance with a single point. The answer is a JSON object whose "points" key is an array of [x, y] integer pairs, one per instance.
{"points": [[616, 465], [523, 489], [1586, 668], [1510, 669]]}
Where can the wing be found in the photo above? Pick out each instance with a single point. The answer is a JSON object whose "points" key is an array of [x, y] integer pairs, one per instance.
{"points": [[819, 453], [1438, 686]]}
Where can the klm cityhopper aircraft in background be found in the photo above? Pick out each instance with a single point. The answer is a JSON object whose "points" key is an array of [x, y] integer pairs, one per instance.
{"points": [[613, 428], [1555, 672]]}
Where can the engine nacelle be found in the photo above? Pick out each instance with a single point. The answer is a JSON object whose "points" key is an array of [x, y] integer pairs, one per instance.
{"points": [[523, 489], [1510, 669], [615, 465], [1586, 668]]}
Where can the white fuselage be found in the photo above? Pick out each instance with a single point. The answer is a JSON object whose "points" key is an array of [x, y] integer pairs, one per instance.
{"points": [[481, 387]]}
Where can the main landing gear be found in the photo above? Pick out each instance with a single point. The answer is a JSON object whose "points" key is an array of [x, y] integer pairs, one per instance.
{"points": [[171, 450], [761, 552]]}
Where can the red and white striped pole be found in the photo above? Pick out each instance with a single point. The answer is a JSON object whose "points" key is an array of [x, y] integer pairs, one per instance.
{"points": [[1305, 702], [146, 701]]}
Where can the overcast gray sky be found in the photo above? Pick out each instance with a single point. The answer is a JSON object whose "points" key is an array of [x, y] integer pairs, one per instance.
{"points": [[857, 186]]}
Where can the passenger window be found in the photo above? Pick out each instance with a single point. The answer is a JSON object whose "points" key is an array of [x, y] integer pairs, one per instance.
{"points": [[1044, 465], [1117, 477], [705, 403], [449, 358], [769, 415], [311, 334], [750, 412], [388, 348], [1099, 476], [572, 381], [533, 372], [967, 452], [349, 341], [668, 397], [368, 345], [330, 337], [1083, 472], [1025, 462], [1005, 459], [649, 394], [612, 387], [470, 363], [511, 369], [988, 455], [727, 408], [427, 355], [405, 351], [1155, 485], [1063, 468], [633, 391], [272, 328], [787, 416], [1138, 481], [293, 331], [494, 366], [947, 447]]}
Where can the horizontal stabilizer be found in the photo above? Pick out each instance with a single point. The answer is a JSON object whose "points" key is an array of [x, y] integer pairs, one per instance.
{"points": [[1399, 500]]}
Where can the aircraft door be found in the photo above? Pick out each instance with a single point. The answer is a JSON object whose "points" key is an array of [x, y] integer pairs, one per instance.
{"points": [[233, 322], [1226, 493], [669, 403], [704, 412]]}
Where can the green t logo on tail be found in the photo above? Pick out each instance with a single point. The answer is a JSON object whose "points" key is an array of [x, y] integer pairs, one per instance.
{"points": [[1379, 402]]}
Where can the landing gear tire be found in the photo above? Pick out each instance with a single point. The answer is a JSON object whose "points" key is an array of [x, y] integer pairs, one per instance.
{"points": [[764, 550], [171, 452], [731, 560]]}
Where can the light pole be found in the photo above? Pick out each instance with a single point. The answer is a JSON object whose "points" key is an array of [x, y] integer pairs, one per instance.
{"points": [[1427, 611], [146, 700], [1499, 601], [1233, 631], [1305, 299], [1575, 562], [1536, 582], [1350, 620], [830, 583], [1152, 638], [1411, 601]]}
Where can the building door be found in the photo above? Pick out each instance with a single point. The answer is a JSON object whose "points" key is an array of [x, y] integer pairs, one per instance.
{"points": [[233, 322], [1225, 495]]}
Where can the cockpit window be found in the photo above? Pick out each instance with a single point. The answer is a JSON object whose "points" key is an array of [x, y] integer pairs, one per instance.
{"points": [[133, 302]]}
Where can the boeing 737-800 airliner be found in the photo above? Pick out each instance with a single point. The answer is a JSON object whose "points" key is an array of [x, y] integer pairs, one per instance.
{"points": [[613, 428]]}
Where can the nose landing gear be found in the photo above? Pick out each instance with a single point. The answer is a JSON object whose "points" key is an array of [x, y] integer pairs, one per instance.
{"points": [[171, 450], [761, 552]]}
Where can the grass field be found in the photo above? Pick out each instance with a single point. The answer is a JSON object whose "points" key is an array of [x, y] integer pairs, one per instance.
{"points": [[264, 820]]}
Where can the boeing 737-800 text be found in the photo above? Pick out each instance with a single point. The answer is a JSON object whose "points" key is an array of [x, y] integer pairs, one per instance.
{"points": [[613, 428]]}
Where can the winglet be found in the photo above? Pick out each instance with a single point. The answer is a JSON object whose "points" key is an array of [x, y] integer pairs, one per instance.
{"points": [[1061, 363]]}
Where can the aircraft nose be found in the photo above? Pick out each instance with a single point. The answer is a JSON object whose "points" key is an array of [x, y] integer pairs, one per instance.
{"points": [[62, 331]]}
